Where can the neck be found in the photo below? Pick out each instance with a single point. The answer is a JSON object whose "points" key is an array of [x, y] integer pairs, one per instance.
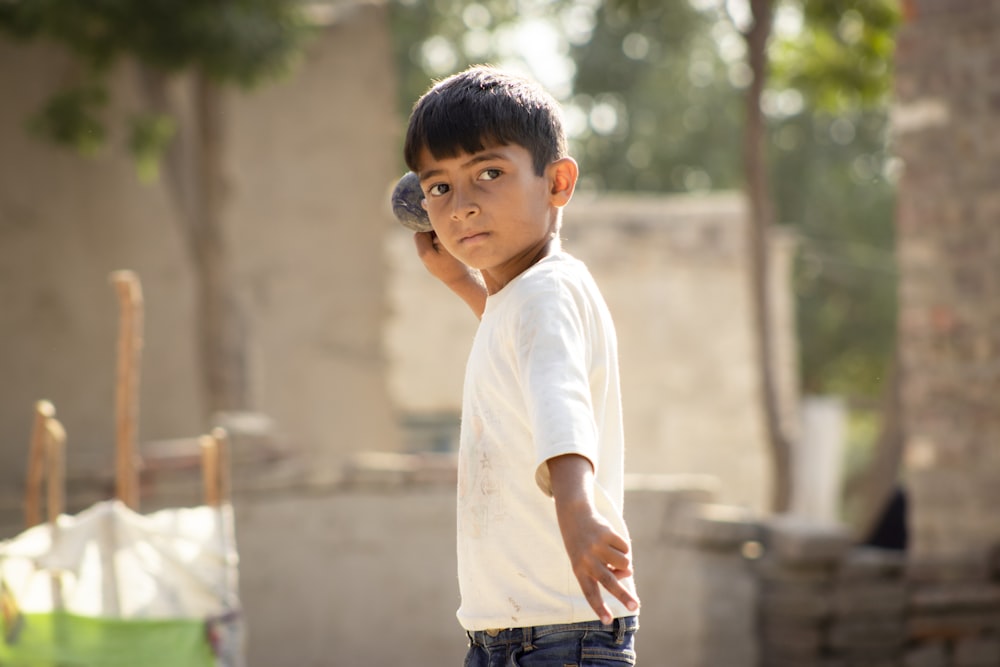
{"points": [[498, 278]]}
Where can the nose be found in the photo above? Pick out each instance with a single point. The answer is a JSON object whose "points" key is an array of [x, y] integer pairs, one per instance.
{"points": [[463, 205]]}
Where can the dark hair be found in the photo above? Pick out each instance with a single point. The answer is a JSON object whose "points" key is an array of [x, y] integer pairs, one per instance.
{"points": [[482, 106]]}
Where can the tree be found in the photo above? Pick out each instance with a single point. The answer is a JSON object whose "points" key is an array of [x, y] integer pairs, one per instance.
{"points": [[205, 46], [676, 115], [841, 62], [757, 185], [830, 80]]}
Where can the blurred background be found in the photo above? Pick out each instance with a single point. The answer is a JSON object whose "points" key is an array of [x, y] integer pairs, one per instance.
{"points": [[791, 207]]}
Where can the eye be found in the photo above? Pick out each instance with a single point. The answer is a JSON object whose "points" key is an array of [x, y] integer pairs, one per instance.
{"points": [[490, 174], [437, 189]]}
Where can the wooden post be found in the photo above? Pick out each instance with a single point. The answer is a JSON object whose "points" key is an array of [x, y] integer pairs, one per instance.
{"points": [[215, 467], [130, 340], [55, 464], [44, 411], [210, 469]]}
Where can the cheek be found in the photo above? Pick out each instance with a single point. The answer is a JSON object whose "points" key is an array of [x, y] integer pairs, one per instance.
{"points": [[442, 241]]}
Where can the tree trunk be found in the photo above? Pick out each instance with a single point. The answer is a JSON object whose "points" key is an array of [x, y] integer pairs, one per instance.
{"points": [[195, 176], [761, 215], [220, 323]]}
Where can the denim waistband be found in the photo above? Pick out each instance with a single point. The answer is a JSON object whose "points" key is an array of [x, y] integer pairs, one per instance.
{"points": [[498, 636]]}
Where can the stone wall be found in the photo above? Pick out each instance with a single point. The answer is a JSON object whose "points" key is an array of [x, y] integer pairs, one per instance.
{"points": [[827, 603], [946, 124]]}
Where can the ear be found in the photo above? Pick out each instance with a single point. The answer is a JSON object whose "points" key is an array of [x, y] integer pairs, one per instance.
{"points": [[562, 180]]}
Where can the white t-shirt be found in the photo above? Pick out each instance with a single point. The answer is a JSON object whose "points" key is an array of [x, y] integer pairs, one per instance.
{"points": [[541, 381]]}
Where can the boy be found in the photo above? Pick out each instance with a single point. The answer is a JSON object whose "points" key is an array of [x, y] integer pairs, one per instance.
{"points": [[540, 527]]}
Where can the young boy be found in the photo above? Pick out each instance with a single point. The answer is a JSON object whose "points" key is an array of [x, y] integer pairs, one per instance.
{"points": [[544, 560]]}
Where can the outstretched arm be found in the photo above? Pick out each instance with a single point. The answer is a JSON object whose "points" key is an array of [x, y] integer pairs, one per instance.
{"points": [[599, 555], [464, 281]]}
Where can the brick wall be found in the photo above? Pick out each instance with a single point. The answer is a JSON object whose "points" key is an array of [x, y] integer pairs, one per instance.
{"points": [[826, 603], [947, 133]]}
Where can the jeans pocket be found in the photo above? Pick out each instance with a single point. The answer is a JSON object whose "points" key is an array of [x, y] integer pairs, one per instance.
{"points": [[556, 650], [598, 649]]}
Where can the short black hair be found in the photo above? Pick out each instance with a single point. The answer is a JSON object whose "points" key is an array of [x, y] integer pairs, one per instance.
{"points": [[484, 106]]}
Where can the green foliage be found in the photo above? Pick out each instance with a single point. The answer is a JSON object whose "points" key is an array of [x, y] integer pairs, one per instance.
{"points": [[842, 58], [149, 137], [678, 116], [838, 196], [435, 38], [232, 42], [236, 41], [682, 108], [72, 118]]}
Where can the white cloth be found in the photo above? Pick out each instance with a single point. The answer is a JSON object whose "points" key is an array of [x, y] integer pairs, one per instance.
{"points": [[541, 381], [109, 561]]}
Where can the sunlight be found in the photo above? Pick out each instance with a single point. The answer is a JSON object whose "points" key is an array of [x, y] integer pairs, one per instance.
{"points": [[539, 44], [788, 20], [438, 55]]}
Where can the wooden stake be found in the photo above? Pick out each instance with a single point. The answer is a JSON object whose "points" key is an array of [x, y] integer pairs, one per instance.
{"points": [[221, 438], [55, 470], [55, 464], [130, 340], [215, 467], [210, 470], [44, 411]]}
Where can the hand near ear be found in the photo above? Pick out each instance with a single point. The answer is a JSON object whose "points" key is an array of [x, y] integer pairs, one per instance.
{"points": [[466, 282]]}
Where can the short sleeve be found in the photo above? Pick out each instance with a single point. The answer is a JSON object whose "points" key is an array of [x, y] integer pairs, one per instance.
{"points": [[553, 359]]}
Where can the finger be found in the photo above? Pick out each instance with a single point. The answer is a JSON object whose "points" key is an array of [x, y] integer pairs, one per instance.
{"points": [[616, 560], [423, 240], [614, 554], [428, 245], [624, 595], [592, 592], [617, 542]]}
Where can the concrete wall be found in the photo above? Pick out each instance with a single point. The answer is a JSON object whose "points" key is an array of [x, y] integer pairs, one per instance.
{"points": [[381, 588], [307, 174], [673, 271], [310, 160]]}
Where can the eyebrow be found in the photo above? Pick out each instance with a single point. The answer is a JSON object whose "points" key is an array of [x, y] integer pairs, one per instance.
{"points": [[475, 159]]}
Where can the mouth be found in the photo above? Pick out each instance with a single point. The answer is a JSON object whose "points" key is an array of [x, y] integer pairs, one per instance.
{"points": [[473, 237]]}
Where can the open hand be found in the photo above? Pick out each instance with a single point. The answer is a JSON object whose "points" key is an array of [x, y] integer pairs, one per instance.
{"points": [[600, 556]]}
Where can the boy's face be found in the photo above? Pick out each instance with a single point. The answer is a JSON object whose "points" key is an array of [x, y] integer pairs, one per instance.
{"points": [[491, 211]]}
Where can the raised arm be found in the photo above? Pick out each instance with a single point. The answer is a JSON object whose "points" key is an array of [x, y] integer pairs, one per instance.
{"points": [[464, 281], [599, 555]]}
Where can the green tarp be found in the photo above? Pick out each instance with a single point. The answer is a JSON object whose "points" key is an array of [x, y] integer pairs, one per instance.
{"points": [[67, 640]]}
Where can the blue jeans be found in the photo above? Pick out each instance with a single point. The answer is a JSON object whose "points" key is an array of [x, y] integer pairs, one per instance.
{"points": [[589, 644]]}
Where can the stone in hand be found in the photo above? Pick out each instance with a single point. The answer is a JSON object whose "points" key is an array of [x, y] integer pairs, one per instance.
{"points": [[406, 204]]}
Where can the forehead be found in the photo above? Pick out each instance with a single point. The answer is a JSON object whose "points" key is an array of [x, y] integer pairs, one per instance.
{"points": [[428, 164]]}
